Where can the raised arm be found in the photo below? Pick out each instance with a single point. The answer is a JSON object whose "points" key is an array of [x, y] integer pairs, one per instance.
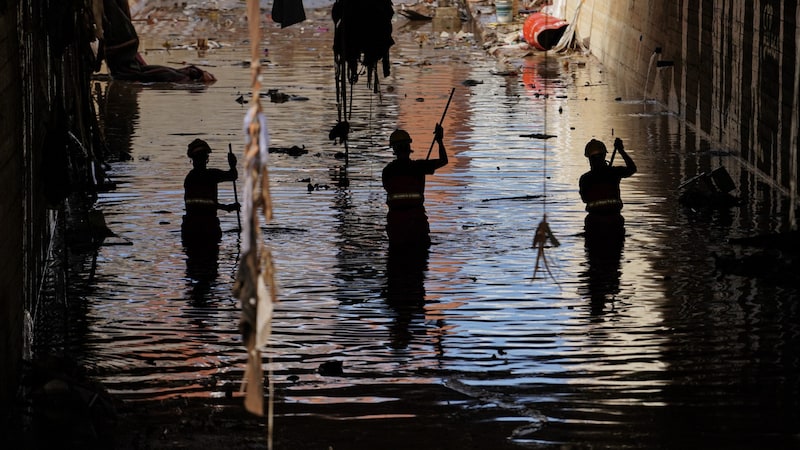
{"points": [[232, 174], [629, 164], [438, 137]]}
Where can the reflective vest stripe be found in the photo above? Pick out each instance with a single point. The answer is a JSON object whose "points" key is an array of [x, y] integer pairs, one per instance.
{"points": [[405, 196], [594, 204], [200, 201]]}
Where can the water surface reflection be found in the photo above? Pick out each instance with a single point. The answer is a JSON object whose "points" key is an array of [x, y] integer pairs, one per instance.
{"points": [[641, 345]]}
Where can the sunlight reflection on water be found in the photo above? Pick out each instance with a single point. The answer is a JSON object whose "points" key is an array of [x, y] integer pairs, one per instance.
{"points": [[473, 314]]}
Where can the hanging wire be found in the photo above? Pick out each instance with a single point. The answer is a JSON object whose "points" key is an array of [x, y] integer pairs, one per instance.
{"points": [[543, 234], [544, 180]]}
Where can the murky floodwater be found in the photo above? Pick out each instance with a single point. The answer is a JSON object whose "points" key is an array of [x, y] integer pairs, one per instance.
{"points": [[649, 347]]}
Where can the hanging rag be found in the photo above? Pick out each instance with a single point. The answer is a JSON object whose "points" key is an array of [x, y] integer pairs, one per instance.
{"points": [[288, 12]]}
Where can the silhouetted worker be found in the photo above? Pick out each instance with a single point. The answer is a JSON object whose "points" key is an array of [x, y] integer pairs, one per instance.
{"points": [[120, 48], [599, 189], [604, 225], [404, 181], [200, 224]]}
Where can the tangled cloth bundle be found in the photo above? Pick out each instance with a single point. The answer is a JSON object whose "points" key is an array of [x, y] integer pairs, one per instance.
{"points": [[363, 34], [542, 236]]}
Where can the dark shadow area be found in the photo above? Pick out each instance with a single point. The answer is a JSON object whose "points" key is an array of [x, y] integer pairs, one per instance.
{"points": [[118, 116], [604, 243], [202, 268], [405, 291]]}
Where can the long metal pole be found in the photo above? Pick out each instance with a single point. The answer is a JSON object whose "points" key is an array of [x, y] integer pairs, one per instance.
{"points": [[235, 194], [441, 120]]}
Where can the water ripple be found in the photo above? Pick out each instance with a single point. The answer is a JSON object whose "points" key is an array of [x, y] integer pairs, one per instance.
{"points": [[587, 355]]}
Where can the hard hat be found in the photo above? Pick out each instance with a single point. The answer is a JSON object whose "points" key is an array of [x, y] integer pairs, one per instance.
{"points": [[198, 147], [399, 136], [594, 148]]}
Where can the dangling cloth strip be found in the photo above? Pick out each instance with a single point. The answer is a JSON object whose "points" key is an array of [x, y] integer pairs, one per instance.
{"points": [[540, 239]]}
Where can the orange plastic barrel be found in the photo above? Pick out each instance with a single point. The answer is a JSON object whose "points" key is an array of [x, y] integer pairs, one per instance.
{"points": [[543, 31]]}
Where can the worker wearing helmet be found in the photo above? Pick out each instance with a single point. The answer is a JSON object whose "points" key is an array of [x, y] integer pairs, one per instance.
{"points": [[404, 182], [200, 224], [599, 188]]}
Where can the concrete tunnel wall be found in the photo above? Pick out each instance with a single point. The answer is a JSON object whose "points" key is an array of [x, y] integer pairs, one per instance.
{"points": [[735, 74], [11, 213], [48, 138]]}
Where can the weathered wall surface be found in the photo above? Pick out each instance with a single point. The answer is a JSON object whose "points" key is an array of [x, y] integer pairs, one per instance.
{"points": [[735, 73], [10, 205], [47, 136]]}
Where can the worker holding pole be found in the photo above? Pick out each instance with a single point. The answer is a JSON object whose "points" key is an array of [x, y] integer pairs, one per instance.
{"points": [[404, 181], [599, 189], [200, 223]]}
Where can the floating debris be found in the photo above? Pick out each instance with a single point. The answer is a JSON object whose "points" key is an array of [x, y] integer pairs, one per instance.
{"points": [[519, 197], [291, 151], [504, 72], [330, 369], [339, 132], [275, 96], [317, 187], [538, 136]]}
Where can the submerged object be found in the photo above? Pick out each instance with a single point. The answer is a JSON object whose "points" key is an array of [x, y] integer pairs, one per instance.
{"points": [[410, 14], [543, 31], [709, 189], [291, 151]]}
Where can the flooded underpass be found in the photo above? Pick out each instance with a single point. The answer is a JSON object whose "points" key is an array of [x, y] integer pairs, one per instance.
{"points": [[649, 346]]}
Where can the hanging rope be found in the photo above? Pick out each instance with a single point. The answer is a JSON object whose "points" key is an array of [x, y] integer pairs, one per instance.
{"points": [[543, 234], [255, 286]]}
